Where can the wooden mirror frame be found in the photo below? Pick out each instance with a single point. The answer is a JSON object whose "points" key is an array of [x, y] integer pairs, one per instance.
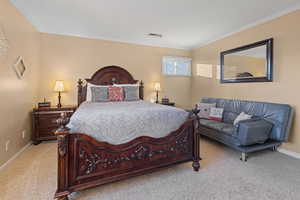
{"points": [[269, 66]]}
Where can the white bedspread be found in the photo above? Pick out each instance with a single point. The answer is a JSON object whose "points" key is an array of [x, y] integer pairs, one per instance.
{"points": [[120, 122]]}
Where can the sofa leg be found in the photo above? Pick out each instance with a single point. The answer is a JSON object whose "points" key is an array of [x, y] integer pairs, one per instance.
{"points": [[274, 148], [244, 157]]}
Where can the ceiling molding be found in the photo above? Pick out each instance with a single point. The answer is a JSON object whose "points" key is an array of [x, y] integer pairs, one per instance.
{"points": [[261, 21]]}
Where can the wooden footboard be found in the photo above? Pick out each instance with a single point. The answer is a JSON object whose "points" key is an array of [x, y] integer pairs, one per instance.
{"points": [[84, 162]]}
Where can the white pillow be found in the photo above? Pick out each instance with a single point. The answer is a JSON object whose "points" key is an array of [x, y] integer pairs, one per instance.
{"points": [[205, 109], [89, 91], [242, 116], [126, 85], [216, 114]]}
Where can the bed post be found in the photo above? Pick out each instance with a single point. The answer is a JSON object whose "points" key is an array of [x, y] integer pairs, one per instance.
{"points": [[141, 90], [196, 141], [79, 100], [62, 140]]}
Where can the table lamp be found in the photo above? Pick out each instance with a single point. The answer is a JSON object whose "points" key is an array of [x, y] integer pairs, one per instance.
{"points": [[59, 87]]}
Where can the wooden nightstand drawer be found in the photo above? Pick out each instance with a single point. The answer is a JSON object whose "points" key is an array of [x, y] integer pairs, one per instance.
{"points": [[49, 119], [44, 122]]}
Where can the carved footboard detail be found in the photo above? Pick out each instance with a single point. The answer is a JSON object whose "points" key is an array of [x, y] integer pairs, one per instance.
{"points": [[101, 162], [91, 161], [84, 162]]}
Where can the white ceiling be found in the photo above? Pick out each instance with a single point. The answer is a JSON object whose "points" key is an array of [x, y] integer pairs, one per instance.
{"points": [[184, 24]]}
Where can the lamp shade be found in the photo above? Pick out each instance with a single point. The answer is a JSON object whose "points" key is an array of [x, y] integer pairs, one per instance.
{"points": [[157, 86], [59, 86]]}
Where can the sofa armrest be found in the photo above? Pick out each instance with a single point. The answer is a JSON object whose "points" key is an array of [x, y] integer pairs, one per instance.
{"points": [[253, 131]]}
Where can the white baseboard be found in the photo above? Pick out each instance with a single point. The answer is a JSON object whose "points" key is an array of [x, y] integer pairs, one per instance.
{"points": [[289, 153], [15, 156]]}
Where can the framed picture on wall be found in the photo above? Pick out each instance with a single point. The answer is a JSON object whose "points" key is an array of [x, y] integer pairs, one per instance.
{"points": [[19, 67]]}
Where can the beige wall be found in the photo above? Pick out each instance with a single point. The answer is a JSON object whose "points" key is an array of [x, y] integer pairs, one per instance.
{"points": [[17, 96], [285, 31], [70, 58]]}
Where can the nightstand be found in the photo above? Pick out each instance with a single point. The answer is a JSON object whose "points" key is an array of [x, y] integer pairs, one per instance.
{"points": [[44, 122], [168, 104]]}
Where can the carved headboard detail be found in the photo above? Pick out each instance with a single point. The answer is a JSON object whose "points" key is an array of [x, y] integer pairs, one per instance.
{"points": [[108, 76]]}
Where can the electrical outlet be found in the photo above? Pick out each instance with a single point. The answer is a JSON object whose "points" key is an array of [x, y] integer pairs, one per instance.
{"points": [[23, 134], [7, 145]]}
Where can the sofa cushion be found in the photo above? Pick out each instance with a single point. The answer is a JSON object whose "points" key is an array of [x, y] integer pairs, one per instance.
{"points": [[219, 126], [253, 131], [219, 136], [229, 117]]}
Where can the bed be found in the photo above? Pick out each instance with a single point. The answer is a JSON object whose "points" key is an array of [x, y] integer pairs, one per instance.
{"points": [[89, 157]]}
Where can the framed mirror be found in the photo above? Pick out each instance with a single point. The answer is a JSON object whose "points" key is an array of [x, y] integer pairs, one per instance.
{"points": [[249, 63]]}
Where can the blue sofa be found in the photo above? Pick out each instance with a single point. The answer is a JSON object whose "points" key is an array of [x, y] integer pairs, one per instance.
{"points": [[268, 128]]}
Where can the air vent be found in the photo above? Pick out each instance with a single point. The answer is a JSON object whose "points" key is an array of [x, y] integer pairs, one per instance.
{"points": [[155, 35]]}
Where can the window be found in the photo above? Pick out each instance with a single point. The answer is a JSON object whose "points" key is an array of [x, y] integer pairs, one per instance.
{"points": [[176, 66]]}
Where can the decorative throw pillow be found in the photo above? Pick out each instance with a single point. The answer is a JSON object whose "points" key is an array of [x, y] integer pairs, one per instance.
{"points": [[89, 91], [99, 94], [205, 109], [216, 114], [242, 116], [115, 93], [131, 93]]}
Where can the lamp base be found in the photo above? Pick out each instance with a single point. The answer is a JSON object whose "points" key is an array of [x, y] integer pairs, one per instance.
{"points": [[59, 98]]}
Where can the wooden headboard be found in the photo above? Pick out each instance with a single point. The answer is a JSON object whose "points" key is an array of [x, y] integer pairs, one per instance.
{"points": [[108, 76]]}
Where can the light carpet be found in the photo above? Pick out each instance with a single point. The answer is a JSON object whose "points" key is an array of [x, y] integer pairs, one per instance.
{"points": [[266, 176]]}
